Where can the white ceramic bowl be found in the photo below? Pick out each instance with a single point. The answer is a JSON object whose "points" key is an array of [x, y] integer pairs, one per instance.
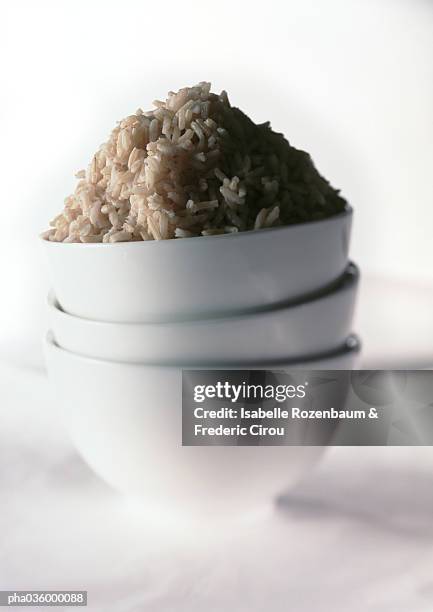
{"points": [[198, 277], [125, 420], [294, 331]]}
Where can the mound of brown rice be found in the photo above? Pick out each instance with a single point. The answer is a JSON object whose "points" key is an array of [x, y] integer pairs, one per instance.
{"points": [[193, 166]]}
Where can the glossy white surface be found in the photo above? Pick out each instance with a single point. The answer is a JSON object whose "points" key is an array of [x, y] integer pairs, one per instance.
{"points": [[358, 524], [297, 331], [372, 506], [125, 420], [198, 277]]}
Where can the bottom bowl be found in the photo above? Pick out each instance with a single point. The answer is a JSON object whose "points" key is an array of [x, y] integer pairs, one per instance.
{"points": [[126, 421]]}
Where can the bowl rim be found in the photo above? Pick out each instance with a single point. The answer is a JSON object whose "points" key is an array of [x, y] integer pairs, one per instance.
{"points": [[352, 345], [248, 234], [347, 281]]}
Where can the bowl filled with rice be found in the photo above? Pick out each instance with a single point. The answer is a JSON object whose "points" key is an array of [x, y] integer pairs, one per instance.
{"points": [[195, 239], [191, 210]]}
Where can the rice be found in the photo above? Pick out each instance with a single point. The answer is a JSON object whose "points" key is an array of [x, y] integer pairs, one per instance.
{"points": [[192, 166]]}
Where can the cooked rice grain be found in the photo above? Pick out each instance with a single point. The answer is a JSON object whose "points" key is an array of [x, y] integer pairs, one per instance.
{"points": [[193, 166]]}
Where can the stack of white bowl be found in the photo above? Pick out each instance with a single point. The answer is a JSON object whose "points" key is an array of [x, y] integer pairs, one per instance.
{"points": [[126, 318]]}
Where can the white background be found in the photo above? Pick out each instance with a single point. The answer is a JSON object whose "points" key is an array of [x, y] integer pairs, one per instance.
{"points": [[351, 81]]}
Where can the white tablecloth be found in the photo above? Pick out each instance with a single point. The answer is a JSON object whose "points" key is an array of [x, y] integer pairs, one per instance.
{"points": [[356, 535]]}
